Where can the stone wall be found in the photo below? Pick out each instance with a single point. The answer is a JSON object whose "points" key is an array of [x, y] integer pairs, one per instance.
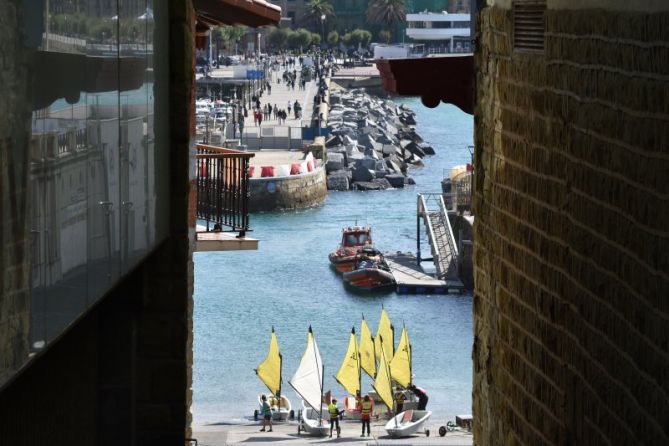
{"points": [[14, 230], [293, 192], [572, 231]]}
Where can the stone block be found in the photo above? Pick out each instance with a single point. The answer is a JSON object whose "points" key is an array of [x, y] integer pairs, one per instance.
{"points": [[338, 181], [396, 180], [336, 161], [362, 173]]}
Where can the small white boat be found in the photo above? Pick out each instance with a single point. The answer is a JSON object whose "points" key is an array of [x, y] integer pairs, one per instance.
{"points": [[308, 383], [408, 423], [281, 407], [311, 422]]}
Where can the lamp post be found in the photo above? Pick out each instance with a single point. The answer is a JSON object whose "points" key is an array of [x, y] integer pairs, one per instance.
{"points": [[322, 30]]}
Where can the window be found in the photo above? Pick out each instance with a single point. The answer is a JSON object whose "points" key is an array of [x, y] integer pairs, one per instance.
{"points": [[529, 25]]}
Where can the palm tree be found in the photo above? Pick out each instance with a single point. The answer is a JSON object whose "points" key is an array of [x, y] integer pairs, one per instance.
{"points": [[314, 11], [386, 12]]}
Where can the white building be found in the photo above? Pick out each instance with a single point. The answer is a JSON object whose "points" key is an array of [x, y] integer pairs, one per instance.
{"points": [[440, 32]]}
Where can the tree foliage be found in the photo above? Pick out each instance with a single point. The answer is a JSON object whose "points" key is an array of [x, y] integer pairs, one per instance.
{"points": [[278, 37], [312, 12], [385, 36], [315, 39], [357, 37], [386, 12], [299, 39], [333, 38]]}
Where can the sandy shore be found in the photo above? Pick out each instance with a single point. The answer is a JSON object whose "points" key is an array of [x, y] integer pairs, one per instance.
{"points": [[286, 433]]}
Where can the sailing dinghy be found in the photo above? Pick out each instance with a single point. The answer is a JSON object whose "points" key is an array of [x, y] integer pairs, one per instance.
{"points": [[308, 383], [269, 372], [409, 421]]}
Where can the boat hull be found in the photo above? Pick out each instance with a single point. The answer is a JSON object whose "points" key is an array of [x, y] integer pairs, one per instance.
{"points": [[370, 279], [407, 423], [342, 264], [309, 423], [281, 411]]}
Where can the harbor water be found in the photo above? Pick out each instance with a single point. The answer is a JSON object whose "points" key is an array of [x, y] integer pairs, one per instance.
{"points": [[288, 284]]}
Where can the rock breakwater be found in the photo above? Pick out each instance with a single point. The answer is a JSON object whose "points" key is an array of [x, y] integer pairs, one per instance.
{"points": [[372, 143]]}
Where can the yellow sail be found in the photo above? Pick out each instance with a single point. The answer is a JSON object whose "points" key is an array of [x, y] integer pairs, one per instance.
{"points": [[367, 355], [349, 373], [382, 382], [400, 365], [269, 371], [385, 332]]}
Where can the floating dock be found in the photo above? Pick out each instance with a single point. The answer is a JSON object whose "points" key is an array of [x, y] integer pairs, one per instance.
{"points": [[411, 279]]}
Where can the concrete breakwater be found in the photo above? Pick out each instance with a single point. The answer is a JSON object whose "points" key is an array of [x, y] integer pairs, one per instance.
{"points": [[372, 143], [287, 192]]}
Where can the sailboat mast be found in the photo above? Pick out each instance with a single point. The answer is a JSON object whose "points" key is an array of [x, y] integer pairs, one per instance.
{"points": [[278, 393], [320, 411]]}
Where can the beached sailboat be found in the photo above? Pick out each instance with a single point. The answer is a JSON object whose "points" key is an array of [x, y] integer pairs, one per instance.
{"points": [[308, 383], [409, 421], [269, 372], [385, 331], [350, 378]]}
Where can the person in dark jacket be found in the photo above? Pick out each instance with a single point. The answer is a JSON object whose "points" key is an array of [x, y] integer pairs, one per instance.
{"points": [[422, 396]]}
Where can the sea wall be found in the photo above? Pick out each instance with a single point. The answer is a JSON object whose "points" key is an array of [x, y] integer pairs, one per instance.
{"points": [[288, 192], [572, 231]]}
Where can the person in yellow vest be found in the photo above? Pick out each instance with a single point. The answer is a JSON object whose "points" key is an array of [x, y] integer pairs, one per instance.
{"points": [[334, 416], [366, 414], [399, 402]]}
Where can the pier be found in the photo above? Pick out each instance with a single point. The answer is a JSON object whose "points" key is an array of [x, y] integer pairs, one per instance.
{"points": [[411, 279]]}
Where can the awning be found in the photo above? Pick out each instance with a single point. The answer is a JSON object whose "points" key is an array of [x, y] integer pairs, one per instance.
{"points": [[447, 78], [252, 13]]}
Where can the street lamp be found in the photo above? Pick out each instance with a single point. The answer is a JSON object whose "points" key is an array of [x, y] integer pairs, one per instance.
{"points": [[322, 30]]}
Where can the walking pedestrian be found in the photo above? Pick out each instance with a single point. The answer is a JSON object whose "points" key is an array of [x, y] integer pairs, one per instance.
{"points": [[266, 412], [366, 414]]}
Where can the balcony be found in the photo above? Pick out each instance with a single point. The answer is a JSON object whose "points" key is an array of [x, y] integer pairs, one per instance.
{"points": [[436, 33], [222, 186]]}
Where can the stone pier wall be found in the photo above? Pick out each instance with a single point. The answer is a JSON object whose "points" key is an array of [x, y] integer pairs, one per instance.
{"points": [[572, 230], [293, 192]]}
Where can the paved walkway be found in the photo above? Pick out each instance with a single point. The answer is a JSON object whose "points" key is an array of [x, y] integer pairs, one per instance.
{"points": [[280, 97], [286, 434]]}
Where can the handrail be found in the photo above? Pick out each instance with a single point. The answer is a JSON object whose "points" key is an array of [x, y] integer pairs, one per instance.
{"points": [[207, 149], [223, 187], [450, 239]]}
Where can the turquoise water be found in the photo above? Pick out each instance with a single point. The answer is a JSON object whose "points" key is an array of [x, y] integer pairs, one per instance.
{"points": [[289, 284]]}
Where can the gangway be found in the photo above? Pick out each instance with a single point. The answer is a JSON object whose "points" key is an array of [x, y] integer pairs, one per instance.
{"points": [[432, 211]]}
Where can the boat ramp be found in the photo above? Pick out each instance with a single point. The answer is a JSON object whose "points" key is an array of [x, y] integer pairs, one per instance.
{"points": [[433, 215]]}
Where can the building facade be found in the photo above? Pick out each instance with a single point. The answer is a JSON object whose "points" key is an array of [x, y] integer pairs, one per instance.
{"points": [[440, 33]]}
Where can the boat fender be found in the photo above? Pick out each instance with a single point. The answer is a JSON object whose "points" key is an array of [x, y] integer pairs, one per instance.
{"points": [[255, 415], [292, 414]]}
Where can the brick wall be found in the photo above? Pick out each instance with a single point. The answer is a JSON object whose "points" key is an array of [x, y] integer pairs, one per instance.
{"points": [[572, 231], [14, 231]]}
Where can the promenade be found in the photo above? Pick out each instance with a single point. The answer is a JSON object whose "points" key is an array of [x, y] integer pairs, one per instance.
{"points": [[286, 433]]}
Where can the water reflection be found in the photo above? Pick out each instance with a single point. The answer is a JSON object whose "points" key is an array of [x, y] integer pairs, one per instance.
{"points": [[93, 158]]}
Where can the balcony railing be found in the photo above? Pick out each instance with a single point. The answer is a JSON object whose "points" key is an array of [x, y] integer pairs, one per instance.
{"points": [[223, 188]]}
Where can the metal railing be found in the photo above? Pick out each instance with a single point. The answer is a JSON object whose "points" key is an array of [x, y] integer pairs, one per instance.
{"points": [[432, 209], [223, 188]]}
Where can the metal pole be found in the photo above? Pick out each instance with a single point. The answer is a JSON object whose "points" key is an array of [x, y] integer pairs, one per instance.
{"points": [[418, 231]]}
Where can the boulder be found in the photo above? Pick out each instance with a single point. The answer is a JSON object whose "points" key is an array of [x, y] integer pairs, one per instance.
{"points": [[410, 181], [389, 149], [338, 182], [385, 184], [396, 180], [427, 149], [367, 163], [366, 185], [361, 173], [336, 161], [333, 141]]}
